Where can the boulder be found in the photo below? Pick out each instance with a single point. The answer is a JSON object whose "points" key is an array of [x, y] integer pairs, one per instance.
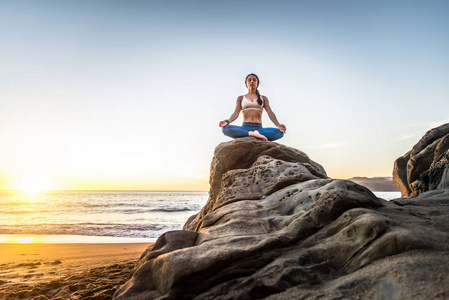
{"points": [[239, 155], [276, 227], [426, 166]]}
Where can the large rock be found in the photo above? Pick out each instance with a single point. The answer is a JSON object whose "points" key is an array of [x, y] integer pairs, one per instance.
{"points": [[426, 166], [238, 156], [276, 227]]}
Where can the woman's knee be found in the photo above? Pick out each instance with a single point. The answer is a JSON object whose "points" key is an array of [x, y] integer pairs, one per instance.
{"points": [[280, 134], [227, 130], [234, 131], [276, 135]]}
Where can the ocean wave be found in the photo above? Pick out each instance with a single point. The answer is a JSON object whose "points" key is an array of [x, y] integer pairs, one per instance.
{"points": [[92, 229], [107, 213], [156, 210], [103, 210]]}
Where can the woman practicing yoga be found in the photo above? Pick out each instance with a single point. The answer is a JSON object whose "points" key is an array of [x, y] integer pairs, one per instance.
{"points": [[252, 105]]}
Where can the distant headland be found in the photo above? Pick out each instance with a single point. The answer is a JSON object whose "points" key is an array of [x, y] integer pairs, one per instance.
{"points": [[377, 184]]}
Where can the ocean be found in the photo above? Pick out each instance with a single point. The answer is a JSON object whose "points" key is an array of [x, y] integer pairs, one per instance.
{"points": [[99, 216]]}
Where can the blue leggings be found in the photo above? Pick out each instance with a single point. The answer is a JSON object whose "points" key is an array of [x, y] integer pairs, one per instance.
{"points": [[270, 133]]}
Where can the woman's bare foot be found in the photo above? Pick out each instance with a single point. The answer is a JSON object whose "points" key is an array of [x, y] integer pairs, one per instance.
{"points": [[256, 134]]}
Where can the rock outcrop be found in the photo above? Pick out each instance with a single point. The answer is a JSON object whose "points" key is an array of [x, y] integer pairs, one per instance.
{"points": [[276, 227], [426, 166]]}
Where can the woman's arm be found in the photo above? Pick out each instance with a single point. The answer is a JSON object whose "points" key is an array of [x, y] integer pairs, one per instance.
{"points": [[272, 116], [235, 114]]}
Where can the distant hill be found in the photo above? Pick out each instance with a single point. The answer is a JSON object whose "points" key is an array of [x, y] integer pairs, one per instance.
{"points": [[377, 184]]}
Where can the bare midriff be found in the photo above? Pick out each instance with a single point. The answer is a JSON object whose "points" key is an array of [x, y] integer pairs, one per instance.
{"points": [[252, 116]]}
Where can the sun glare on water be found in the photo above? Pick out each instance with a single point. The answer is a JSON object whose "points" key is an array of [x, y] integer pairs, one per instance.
{"points": [[23, 240]]}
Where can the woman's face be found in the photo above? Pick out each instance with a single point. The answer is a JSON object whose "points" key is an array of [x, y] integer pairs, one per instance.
{"points": [[252, 82]]}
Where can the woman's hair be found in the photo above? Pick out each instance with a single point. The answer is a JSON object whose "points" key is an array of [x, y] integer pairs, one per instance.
{"points": [[259, 99]]}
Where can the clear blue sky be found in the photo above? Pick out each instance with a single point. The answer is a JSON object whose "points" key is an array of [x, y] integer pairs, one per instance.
{"points": [[128, 94]]}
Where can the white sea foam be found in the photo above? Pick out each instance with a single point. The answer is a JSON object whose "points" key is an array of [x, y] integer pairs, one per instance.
{"points": [[388, 195]]}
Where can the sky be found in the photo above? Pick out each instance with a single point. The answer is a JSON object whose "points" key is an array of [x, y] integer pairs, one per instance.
{"points": [[127, 95]]}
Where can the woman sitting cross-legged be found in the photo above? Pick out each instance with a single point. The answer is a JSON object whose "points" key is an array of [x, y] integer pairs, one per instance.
{"points": [[252, 105]]}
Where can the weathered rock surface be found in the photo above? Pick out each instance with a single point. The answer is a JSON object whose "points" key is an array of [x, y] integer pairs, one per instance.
{"points": [[377, 184], [276, 227], [426, 166]]}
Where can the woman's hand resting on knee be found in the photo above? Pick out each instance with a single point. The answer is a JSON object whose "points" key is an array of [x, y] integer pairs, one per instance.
{"points": [[223, 123], [282, 128]]}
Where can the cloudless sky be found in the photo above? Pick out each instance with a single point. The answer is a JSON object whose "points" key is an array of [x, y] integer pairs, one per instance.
{"points": [[128, 94]]}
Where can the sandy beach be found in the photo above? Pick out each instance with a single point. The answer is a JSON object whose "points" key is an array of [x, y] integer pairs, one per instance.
{"points": [[65, 271]]}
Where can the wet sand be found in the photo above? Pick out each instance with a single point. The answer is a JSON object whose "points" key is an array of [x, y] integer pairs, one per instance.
{"points": [[65, 271]]}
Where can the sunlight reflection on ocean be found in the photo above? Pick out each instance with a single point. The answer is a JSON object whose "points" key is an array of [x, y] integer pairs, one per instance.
{"points": [[112, 215]]}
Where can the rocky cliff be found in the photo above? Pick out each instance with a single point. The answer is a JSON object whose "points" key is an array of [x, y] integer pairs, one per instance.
{"points": [[276, 227], [426, 166]]}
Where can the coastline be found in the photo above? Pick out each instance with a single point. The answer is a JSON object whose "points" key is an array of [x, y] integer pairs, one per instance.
{"points": [[66, 270], [72, 239], [68, 266]]}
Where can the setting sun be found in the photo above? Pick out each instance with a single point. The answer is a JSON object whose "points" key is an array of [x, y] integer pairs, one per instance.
{"points": [[31, 183]]}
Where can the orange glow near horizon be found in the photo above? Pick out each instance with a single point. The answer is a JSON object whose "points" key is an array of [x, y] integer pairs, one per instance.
{"points": [[34, 185], [137, 184]]}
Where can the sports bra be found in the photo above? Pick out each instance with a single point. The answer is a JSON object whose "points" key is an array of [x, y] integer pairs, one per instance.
{"points": [[251, 105]]}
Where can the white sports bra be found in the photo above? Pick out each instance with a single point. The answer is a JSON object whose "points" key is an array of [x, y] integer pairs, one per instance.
{"points": [[251, 105]]}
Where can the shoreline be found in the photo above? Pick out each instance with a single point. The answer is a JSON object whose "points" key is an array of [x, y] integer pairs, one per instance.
{"points": [[67, 270], [70, 239]]}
